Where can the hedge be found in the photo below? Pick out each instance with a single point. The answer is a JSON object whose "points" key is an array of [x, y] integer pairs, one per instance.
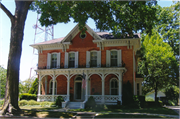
{"points": [[27, 96]]}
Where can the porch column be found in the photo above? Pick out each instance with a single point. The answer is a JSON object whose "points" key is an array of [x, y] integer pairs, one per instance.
{"points": [[39, 88], [120, 87], [68, 84], [52, 99], [46, 85], [86, 95], [103, 89]]}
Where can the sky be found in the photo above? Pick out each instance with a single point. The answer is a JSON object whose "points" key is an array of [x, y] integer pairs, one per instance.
{"points": [[28, 59]]}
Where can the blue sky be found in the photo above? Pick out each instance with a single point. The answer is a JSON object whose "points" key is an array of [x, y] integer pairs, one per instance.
{"points": [[29, 60]]}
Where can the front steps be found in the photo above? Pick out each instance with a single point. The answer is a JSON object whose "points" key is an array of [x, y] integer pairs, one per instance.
{"points": [[74, 105]]}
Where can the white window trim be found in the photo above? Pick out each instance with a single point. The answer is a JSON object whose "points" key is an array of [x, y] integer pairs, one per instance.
{"points": [[49, 60], [75, 60], [117, 85], [119, 57], [52, 87], [98, 58]]}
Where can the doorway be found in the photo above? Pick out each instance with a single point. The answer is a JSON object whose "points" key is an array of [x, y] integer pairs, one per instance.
{"points": [[78, 92]]}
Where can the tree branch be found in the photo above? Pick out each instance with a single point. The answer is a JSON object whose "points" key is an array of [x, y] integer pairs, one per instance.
{"points": [[8, 13]]}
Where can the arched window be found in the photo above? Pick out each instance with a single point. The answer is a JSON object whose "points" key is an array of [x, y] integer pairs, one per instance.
{"points": [[51, 87], [113, 87]]}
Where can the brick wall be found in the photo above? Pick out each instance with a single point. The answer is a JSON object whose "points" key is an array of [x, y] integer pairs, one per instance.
{"points": [[83, 45]]}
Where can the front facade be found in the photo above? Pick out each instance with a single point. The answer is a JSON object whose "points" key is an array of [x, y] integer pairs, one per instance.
{"points": [[106, 62]]}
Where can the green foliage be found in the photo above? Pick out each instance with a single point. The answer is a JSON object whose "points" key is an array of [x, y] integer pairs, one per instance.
{"points": [[149, 99], [27, 96], [156, 67], [1, 102], [3, 74], [34, 88], [24, 86], [32, 102], [59, 101], [172, 93], [122, 18], [23, 102], [46, 104], [90, 104]]}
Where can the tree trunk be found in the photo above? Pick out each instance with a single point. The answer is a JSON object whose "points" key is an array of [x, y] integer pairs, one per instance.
{"points": [[156, 101], [12, 81]]}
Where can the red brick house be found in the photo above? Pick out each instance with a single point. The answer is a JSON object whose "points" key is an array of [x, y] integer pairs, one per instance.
{"points": [[107, 63]]}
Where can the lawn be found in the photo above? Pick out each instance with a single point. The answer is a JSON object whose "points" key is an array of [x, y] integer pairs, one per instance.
{"points": [[157, 110]]}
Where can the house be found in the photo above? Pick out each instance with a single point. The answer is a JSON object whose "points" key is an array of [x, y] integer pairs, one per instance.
{"points": [[106, 62]]}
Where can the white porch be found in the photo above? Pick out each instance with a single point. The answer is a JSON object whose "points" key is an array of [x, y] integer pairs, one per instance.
{"points": [[69, 73]]}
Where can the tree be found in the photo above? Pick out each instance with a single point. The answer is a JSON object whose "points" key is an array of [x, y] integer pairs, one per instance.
{"points": [[12, 80], [2, 81], [122, 18], [157, 63], [26, 85], [34, 88], [52, 13]]}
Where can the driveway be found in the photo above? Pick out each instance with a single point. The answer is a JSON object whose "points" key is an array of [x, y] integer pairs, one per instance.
{"points": [[175, 108]]}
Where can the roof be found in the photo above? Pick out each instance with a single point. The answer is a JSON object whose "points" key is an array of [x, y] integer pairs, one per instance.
{"points": [[50, 41], [75, 30]]}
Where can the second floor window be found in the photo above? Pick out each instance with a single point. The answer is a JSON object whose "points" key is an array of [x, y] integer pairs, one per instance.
{"points": [[113, 58], [93, 59], [71, 59], [54, 61]]}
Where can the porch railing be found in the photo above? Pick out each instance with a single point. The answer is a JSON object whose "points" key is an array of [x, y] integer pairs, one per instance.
{"points": [[107, 98], [50, 97]]}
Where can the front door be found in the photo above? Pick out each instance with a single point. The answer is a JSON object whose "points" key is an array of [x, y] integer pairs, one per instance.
{"points": [[78, 90]]}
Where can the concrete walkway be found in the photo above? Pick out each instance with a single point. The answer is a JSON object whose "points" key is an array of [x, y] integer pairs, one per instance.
{"points": [[175, 108]]}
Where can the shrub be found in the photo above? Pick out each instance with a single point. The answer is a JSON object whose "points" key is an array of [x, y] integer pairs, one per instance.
{"points": [[46, 104], [171, 103], [90, 104], [1, 102], [154, 104], [27, 96], [59, 101], [33, 102], [34, 88], [23, 102]]}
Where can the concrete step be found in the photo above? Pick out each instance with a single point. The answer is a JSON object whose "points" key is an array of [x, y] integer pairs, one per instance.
{"points": [[74, 105]]}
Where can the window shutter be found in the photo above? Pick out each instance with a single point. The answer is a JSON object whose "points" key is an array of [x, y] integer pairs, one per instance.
{"points": [[66, 60], [119, 58], [76, 59], [87, 59], [49, 61], [107, 58], [98, 58], [58, 60]]}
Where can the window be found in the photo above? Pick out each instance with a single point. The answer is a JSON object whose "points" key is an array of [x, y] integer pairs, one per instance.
{"points": [[71, 59], [82, 36], [51, 87], [53, 60], [93, 59], [114, 87], [137, 88], [113, 58]]}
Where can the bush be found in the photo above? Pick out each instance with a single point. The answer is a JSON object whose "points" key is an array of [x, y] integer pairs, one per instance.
{"points": [[90, 104], [23, 102], [34, 88], [27, 96], [1, 102], [171, 103], [153, 104], [59, 101], [33, 102], [46, 104]]}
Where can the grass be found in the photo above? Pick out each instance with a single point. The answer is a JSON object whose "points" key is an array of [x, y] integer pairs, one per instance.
{"points": [[38, 108], [157, 110]]}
